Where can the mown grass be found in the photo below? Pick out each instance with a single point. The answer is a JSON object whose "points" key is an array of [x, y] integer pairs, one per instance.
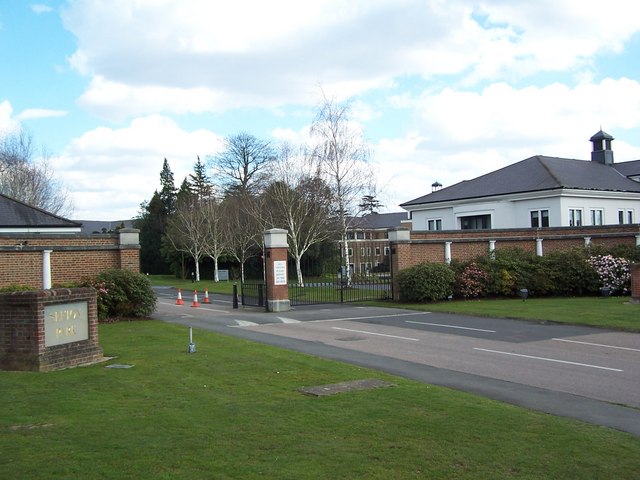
{"points": [[232, 410], [605, 312]]}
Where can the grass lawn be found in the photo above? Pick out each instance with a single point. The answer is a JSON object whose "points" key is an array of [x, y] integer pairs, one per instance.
{"points": [[232, 411], [188, 285], [606, 312]]}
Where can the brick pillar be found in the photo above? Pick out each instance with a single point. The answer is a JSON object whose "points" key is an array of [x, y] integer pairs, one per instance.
{"points": [[276, 253], [635, 283], [129, 244], [399, 249]]}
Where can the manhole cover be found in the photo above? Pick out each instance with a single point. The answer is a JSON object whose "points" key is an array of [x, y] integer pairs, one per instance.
{"points": [[118, 365], [342, 387]]}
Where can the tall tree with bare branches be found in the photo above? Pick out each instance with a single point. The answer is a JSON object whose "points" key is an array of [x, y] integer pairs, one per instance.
{"points": [[342, 158], [242, 164], [30, 180]]}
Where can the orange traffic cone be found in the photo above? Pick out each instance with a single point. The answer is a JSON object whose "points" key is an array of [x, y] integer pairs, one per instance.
{"points": [[179, 300], [206, 296], [195, 299]]}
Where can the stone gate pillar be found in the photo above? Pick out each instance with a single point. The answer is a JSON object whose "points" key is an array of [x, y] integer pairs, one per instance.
{"points": [[276, 252]]}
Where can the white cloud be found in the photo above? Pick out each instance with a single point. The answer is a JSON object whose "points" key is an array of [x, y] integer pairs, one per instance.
{"points": [[461, 135], [111, 171], [41, 8], [8, 124], [33, 113]]}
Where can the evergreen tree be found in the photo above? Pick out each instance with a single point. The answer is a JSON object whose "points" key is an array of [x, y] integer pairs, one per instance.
{"points": [[152, 224], [200, 183], [168, 191]]}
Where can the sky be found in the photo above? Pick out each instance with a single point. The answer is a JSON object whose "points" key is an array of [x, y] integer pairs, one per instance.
{"points": [[442, 90]]}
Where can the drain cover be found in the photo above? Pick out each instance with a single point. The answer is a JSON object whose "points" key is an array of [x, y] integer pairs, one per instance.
{"points": [[118, 365]]}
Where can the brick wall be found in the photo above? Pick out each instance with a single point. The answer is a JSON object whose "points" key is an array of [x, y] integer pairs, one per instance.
{"points": [[23, 332], [73, 257], [469, 244]]}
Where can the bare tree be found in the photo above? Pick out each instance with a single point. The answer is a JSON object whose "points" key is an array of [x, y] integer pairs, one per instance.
{"points": [[242, 230], [242, 164], [28, 180], [343, 160], [299, 201], [187, 230], [215, 239]]}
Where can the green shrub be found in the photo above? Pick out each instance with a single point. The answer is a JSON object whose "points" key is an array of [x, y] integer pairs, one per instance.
{"points": [[570, 274], [427, 282], [122, 294], [14, 287]]}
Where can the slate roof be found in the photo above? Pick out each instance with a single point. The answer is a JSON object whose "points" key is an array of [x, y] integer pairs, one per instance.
{"points": [[374, 221], [538, 173], [629, 169], [16, 214]]}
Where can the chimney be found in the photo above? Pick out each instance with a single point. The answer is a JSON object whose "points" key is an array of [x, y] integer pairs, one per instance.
{"points": [[602, 152]]}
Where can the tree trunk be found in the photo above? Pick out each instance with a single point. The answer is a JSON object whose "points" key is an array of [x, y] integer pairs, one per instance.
{"points": [[299, 272]]}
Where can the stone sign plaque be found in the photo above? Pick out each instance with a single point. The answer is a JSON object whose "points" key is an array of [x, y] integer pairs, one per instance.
{"points": [[65, 323], [280, 272]]}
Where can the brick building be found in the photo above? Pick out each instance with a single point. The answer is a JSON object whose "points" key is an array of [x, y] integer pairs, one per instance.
{"points": [[31, 237]]}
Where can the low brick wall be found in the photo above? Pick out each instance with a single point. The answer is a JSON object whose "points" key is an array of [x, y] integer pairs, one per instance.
{"points": [[44, 330], [465, 245], [73, 256]]}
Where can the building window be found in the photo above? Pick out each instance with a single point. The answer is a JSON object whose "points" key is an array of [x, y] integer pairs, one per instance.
{"points": [[363, 268], [575, 217], [539, 218], [434, 224], [386, 250], [476, 222], [350, 252], [362, 251], [625, 216], [597, 217], [360, 235], [377, 251]]}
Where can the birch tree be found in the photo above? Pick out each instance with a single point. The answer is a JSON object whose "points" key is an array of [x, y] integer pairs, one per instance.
{"points": [[243, 233], [187, 231], [342, 157], [299, 201], [215, 245]]}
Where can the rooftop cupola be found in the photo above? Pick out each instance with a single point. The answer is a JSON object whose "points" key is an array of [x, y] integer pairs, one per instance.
{"points": [[602, 152]]}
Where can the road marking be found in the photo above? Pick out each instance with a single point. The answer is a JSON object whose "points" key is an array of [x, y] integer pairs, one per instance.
{"points": [[288, 320], [368, 317], [549, 360], [597, 344], [243, 323], [378, 334], [450, 326]]}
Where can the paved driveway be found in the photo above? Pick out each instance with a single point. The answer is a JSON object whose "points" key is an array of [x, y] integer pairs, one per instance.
{"points": [[578, 372]]}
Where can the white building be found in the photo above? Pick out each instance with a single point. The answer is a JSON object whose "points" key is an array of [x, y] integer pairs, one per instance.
{"points": [[537, 192]]}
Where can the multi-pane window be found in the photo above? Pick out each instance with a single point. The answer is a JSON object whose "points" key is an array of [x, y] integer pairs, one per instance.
{"points": [[476, 222], [434, 224], [597, 216], [377, 250], [575, 217], [539, 218], [386, 250], [625, 216]]}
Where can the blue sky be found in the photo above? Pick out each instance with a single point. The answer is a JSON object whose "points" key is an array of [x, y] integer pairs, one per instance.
{"points": [[442, 90]]}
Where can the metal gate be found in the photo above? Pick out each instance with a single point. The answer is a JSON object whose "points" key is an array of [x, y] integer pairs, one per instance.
{"points": [[326, 279], [253, 294]]}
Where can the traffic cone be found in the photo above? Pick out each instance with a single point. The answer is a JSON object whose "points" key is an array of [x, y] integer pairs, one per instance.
{"points": [[206, 296], [179, 300], [195, 299]]}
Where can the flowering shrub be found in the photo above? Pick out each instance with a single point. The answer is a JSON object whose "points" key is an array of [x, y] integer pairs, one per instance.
{"points": [[472, 282], [122, 294], [614, 273]]}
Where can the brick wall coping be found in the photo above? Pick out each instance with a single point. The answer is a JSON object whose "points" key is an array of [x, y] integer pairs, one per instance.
{"points": [[67, 248], [32, 295]]}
